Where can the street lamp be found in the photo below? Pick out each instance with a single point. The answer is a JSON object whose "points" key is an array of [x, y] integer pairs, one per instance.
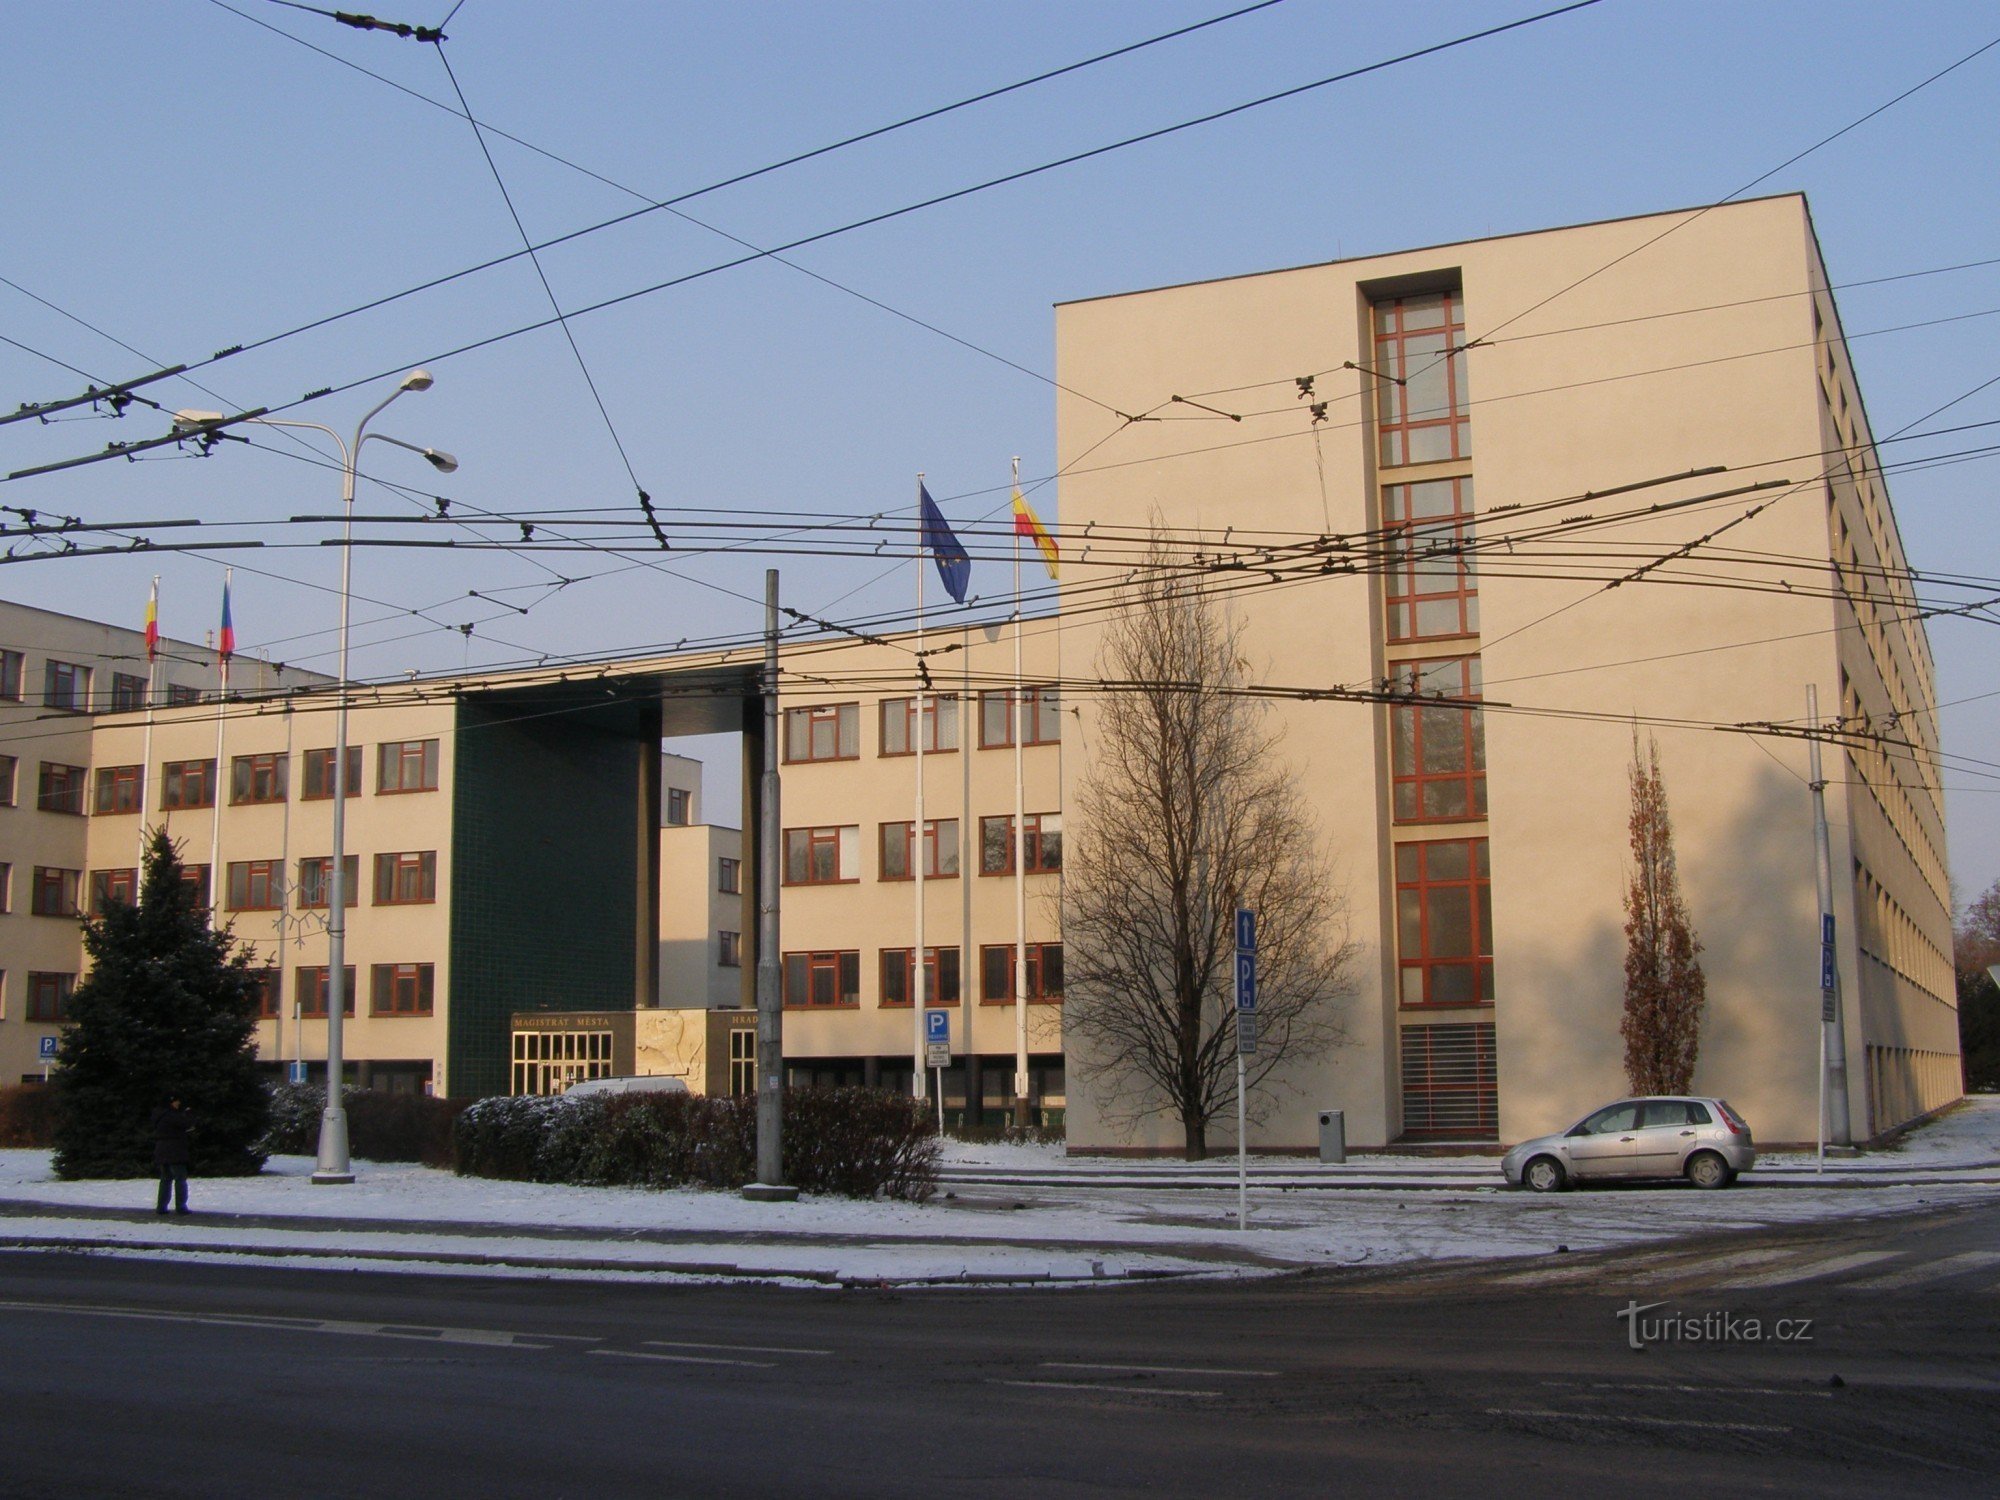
{"points": [[334, 1165]]}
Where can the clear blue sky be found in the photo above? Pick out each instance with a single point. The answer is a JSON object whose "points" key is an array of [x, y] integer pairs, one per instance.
{"points": [[185, 176]]}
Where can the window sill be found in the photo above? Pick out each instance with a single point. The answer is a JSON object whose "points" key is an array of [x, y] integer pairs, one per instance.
{"points": [[807, 884], [1032, 1000], [390, 791], [821, 760], [822, 1009]]}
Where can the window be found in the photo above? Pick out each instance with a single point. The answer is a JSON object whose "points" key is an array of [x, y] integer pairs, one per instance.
{"points": [[940, 731], [1041, 717], [309, 989], [1437, 752], [823, 979], [940, 849], [822, 856], [48, 996], [1041, 833], [256, 885], [54, 892], [7, 768], [899, 980], [107, 886], [742, 1060], [407, 766], [256, 778], [6, 892], [400, 989], [187, 783], [66, 686], [1614, 1120], [406, 879], [10, 676], [729, 950], [1417, 341], [1670, 1112], [127, 692], [319, 774], [1450, 1090], [195, 878], [996, 972], [179, 693], [729, 875], [1444, 923], [316, 881], [827, 731], [1431, 585], [679, 802], [119, 789], [61, 789], [270, 991]]}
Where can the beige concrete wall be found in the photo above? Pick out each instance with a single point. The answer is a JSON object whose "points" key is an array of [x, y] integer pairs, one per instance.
{"points": [[693, 910], [1612, 383]]}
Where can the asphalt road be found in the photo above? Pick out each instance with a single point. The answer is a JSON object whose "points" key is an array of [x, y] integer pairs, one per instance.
{"points": [[144, 1379]]}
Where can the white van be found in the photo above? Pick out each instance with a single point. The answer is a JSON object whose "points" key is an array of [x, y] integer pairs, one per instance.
{"points": [[650, 1083]]}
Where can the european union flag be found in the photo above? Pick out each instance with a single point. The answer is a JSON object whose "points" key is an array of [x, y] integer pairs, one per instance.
{"points": [[954, 563]]}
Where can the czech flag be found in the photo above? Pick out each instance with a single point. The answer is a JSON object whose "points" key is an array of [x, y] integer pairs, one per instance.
{"points": [[153, 623], [225, 643], [954, 563], [1025, 524]]}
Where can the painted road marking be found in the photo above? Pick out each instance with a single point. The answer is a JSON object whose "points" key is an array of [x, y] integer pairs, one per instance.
{"points": [[1720, 1266], [684, 1359], [1935, 1270], [1116, 1390], [1056, 1364], [1812, 1270], [489, 1337], [1699, 1390], [730, 1348], [1576, 1416]]}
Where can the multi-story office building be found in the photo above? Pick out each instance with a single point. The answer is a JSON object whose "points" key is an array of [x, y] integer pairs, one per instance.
{"points": [[1576, 484]]}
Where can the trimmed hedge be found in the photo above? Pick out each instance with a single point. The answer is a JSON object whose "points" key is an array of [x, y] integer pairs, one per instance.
{"points": [[28, 1115], [380, 1126], [859, 1143]]}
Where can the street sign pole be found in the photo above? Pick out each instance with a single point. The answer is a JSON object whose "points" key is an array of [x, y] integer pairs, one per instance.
{"points": [[1246, 1043]]}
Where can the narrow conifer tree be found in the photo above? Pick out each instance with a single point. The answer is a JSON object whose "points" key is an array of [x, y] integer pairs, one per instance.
{"points": [[168, 1009], [1665, 990]]}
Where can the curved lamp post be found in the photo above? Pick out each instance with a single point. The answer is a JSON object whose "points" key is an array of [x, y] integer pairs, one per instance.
{"points": [[334, 1165]]}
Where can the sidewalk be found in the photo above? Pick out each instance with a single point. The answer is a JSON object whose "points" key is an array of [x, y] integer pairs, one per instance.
{"points": [[1004, 1215]]}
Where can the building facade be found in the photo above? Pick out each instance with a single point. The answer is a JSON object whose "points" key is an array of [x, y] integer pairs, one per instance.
{"points": [[1521, 503]]}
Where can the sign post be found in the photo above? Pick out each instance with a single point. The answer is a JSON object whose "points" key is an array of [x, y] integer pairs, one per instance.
{"points": [[937, 1051], [45, 1053], [1246, 1046]]}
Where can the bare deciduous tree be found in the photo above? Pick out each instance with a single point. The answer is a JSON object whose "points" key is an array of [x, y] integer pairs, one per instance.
{"points": [[1185, 815], [1665, 990]]}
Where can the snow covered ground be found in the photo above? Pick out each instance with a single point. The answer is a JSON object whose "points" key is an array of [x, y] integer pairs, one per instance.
{"points": [[1068, 1225]]}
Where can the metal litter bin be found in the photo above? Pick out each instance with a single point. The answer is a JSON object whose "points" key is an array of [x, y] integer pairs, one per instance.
{"points": [[1332, 1136]]}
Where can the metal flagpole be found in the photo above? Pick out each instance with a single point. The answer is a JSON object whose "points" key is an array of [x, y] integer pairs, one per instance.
{"points": [[221, 707], [969, 1068], [1017, 713], [914, 858], [1833, 1041], [146, 754]]}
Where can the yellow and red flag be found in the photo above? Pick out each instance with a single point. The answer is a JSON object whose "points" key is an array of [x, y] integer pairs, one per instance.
{"points": [[153, 622], [1026, 525]]}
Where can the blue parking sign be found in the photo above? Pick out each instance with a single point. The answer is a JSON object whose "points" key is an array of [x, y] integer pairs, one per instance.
{"points": [[45, 1048], [937, 1028], [1246, 982]]}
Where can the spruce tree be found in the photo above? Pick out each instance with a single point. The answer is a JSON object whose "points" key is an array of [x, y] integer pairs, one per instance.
{"points": [[168, 1010]]}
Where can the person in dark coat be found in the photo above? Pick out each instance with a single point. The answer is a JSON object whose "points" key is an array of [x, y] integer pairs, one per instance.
{"points": [[171, 1126]]}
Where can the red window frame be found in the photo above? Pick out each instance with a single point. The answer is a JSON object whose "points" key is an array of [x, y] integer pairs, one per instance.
{"points": [[315, 882], [898, 834], [9, 767], [728, 875], [11, 664], [270, 992], [187, 783], [803, 848], [898, 979], [728, 949], [66, 686], [406, 878], [1437, 752], [401, 989], [255, 885], [49, 994], [54, 892], [824, 979], [899, 715], [1041, 717], [1423, 420], [128, 692], [61, 788], [257, 779], [309, 990], [403, 766], [841, 723], [318, 774], [120, 789], [996, 973], [1431, 584], [1041, 838], [1444, 887], [107, 886], [195, 878]]}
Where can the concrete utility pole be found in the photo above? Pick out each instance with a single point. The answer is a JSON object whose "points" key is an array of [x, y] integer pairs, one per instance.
{"points": [[770, 1002], [1833, 1033]]}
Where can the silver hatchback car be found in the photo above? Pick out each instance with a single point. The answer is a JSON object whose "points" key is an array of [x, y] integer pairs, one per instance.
{"points": [[1703, 1140]]}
